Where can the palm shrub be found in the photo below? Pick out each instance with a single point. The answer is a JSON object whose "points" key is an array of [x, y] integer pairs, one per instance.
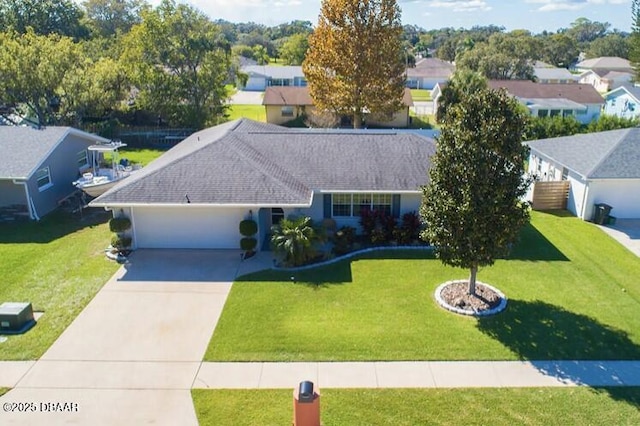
{"points": [[296, 241]]}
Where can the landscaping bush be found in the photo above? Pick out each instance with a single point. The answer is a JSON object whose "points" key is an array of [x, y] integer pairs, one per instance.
{"points": [[248, 244], [378, 226], [412, 225], [248, 227], [119, 224], [367, 221], [120, 242], [296, 241], [343, 240]]}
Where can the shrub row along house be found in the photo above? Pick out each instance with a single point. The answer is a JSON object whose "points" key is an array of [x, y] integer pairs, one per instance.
{"points": [[196, 194], [284, 104]]}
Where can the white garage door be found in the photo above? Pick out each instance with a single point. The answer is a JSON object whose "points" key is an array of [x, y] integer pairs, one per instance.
{"points": [[188, 227], [622, 194]]}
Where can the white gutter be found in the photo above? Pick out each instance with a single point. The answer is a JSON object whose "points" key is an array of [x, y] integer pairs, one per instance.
{"points": [[584, 199], [123, 205], [390, 191], [32, 208]]}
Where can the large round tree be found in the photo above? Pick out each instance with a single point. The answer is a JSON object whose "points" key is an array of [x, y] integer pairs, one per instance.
{"points": [[355, 63], [473, 206]]}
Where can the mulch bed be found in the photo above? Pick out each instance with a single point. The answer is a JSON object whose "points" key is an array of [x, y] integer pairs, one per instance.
{"points": [[456, 295]]}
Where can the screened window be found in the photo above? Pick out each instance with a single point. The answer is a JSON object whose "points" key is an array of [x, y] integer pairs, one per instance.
{"points": [[341, 204], [554, 112], [43, 178], [543, 113], [361, 202], [382, 202], [287, 111], [82, 159]]}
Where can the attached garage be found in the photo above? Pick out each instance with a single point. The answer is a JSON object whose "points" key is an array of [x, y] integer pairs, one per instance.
{"points": [[199, 227]]}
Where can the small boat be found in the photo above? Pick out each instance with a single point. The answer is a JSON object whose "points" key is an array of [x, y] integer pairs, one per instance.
{"points": [[97, 180]]}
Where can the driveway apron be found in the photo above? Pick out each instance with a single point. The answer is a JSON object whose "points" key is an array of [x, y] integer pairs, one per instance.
{"points": [[132, 354]]}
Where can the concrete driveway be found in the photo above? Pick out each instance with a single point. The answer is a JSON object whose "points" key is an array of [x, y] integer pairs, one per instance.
{"points": [[242, 97], [627, 233], [132, 354]]}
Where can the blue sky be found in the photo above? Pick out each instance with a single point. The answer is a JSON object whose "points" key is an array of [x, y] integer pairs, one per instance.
{"points": [[534, 15]]}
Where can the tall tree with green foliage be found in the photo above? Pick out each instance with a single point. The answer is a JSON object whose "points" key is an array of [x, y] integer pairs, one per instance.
{"points": [[294, 49], [559, 50], [32, 68], [472, 205], [462, 83], [179, 65], [634, 40], [62, 17], [355, 63], [106, 18]]}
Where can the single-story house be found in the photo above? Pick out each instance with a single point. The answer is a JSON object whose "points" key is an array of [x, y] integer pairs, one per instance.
{"points": [[601, 167], [263, 76], [196, 194], [605, 80], [428, 72], [542, 100], [609, 63], [553, 75], [623, 102], [39, 165], [283, 104]]}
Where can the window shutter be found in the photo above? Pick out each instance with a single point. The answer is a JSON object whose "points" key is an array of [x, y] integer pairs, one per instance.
{"points": [[395, 205], [326, 198]]}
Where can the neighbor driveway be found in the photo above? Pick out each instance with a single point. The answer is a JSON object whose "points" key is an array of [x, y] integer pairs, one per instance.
{"points": [[627, 233], [133, 353]]}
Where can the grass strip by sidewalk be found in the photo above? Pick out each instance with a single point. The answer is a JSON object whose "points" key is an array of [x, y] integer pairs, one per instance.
{"points": [[573, 294], [501, 406]]}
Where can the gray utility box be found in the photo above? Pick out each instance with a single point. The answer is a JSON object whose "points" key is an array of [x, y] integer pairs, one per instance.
{"points": [[16, 317]]}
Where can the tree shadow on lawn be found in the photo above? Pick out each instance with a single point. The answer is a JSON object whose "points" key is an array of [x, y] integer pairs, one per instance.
{"points": [[533, 245], [553, 338], [56, 224]]}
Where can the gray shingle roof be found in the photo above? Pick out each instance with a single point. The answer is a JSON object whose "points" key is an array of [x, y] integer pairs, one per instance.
{"points": [[581, 93], [614, 154], [605, 62], [22, 149], [248, 163]]}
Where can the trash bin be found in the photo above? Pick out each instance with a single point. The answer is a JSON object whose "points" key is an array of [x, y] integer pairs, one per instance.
{"points": [[601, 214], [611, 220]]}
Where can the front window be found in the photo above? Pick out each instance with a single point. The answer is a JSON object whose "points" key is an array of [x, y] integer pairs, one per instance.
{"points": [[287, 111], [351, 205], [43, 178], [341, 204], [82, 160], [382, 202], [543, 113]]}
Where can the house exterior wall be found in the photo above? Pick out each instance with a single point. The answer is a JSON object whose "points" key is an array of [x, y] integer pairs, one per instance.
{"points": [[274, 113], [400, 119], [63, 169], [410, 203], [593, 79], [622, 194], [424, 82], [11, 194], [621, 104]]}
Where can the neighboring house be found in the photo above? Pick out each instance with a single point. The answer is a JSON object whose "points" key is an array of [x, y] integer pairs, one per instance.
{"points": [[552, 75], [38, 166], [605, 80], [601, 167], [263, 76], [196, 194], [623, 102], [428, 72], [609, 63], [542, 100], [283, 104]]}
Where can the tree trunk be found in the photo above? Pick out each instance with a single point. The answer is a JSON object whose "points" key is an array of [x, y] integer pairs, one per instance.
{"points": [[472, 280], [357, 120]]}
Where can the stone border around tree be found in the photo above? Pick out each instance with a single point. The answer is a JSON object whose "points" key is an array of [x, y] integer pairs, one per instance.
{"points": [[501, 307]]}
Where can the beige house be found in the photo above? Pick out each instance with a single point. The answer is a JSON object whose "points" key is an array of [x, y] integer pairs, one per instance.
{"points": [[284, 104]]}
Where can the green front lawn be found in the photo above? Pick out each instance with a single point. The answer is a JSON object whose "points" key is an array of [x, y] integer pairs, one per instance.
{"points": [[57, 264], [573, 293], [519, 406], [254, 112], [421, 95]]}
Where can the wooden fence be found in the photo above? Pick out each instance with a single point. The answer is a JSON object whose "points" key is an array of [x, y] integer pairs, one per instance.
{"points": [[550, 195]]}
